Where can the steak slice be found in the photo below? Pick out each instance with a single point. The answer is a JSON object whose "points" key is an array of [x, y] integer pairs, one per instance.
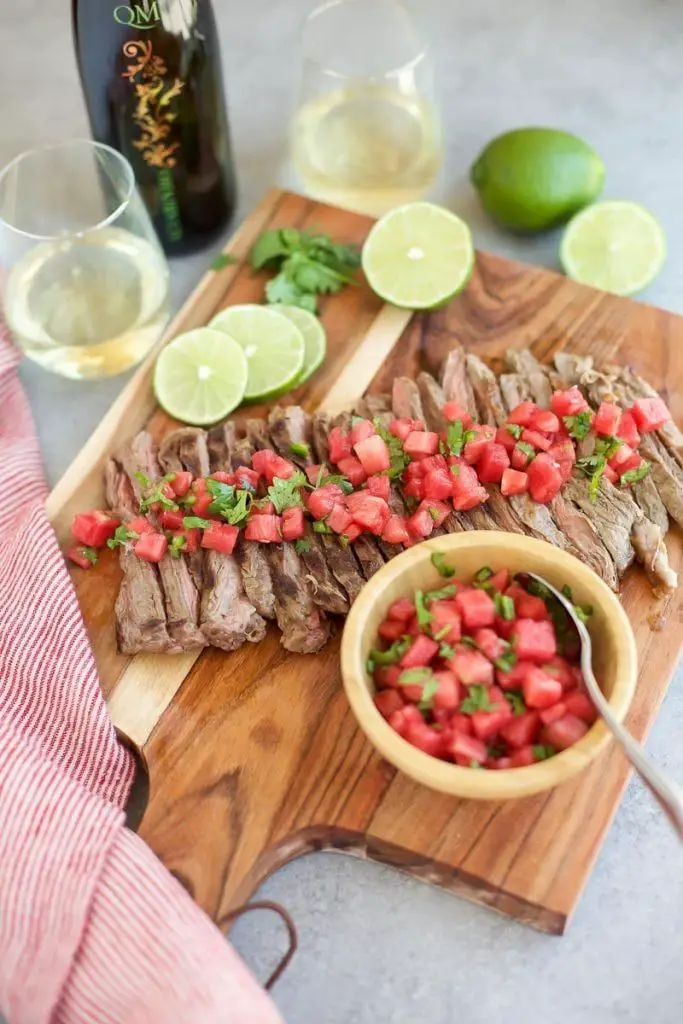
{"points": [[303, 626], [227, 616], [181, 596], [291, 426], [433, 400], [571, 521], [373, 407], [140, 612], [524, 514], [220, 441], [524, 363], [342, 561], [646, 536], [405, 399]]}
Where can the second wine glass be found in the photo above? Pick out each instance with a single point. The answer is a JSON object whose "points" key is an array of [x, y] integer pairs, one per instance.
{"points": [[366, 132]]}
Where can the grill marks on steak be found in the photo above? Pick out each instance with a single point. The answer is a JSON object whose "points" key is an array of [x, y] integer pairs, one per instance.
{"points": [[140, 611], [226, 616]]}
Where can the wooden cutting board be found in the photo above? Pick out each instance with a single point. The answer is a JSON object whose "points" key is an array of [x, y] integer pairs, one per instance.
{"points": [[254, 757]]}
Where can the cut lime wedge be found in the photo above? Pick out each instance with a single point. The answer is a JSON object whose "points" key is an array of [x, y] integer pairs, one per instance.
{"points": [[315, 339], [615, 245], [274, 348], [200, 377], [418, 256]]}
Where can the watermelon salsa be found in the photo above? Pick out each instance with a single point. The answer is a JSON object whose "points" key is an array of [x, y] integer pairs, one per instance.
{"points": [[427, 474], [482, 673]]}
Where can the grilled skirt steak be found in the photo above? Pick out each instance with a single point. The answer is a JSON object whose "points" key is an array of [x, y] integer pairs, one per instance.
{"points": [[140, 611]]}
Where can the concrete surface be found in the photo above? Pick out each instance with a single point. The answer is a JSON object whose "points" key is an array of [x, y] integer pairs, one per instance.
{"points": [[376, 947]]}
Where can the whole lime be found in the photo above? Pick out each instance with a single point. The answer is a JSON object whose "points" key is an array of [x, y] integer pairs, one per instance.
{"points": [[532, 179]]}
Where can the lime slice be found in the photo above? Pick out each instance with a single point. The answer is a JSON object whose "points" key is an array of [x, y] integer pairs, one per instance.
{"points": [[274, 348], [200, 377], [418, 256], [617, 246], [315, 340]]}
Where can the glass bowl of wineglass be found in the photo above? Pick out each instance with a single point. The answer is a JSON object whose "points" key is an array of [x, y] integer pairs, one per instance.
{"points": [[366, 132], [84, 283]]}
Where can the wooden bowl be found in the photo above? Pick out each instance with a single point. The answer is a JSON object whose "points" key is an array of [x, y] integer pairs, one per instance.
{"points": [[614, 656]]}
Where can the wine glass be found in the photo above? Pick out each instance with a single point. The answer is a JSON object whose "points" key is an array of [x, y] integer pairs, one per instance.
{"points": [[366, 133], [83, 280]]}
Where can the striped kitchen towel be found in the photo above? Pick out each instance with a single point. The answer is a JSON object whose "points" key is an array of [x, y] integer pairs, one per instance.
{"points": [[93, 929]]}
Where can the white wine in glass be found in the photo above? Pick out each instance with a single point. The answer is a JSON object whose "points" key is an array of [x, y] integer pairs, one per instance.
{"points": [[366, 132], [86, 292]]}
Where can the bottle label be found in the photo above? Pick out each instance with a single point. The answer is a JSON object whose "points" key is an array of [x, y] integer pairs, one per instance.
{"points": [[144, 15], [154, 115]]}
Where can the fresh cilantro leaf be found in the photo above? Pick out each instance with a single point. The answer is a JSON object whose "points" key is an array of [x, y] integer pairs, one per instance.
{"points": [[92, 554], [142, 478], [429, 691], [526, 449], [484, 574], [414, 676], [579, 426], [567, 592], [322, 527], [542, 752], [155, 493], [516, 701], [505, 606], [224, 259], [188, 501], [285, 493], [343, 540], [475, 764], [370, 666], [450, 590], [196, 523], [442, 633], [506, 661], [632, 476], [607, 446], [122, 535], [434, 513], [302, 546], [583, 612], [397, 457], [539, 589], [283, 290], [176, 546], [477, 700], [393, 653], [424, 616], [299, 448], [514, 429], [446, 651], [457, 437], [469, 641], [271, 247]]}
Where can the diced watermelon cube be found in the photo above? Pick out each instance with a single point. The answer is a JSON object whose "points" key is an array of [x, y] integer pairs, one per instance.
{"points": [[522, 414], [551, 714], [522, 758], [339, 518], [447, 697], [624, 459], [322, 500], [520, 459], [391, 629], [467, 491], [521, 730], [438, 510], [493, 462], [476, 609], [414, 488], [373, 454], [420, 524], [650, 414], [360, 430], [446, 615], [395, 530], [402, 609], [387, 702], [438, 484], [565, 732], [627, 429], [421, 443], [500, 580], [222, 537], [487, 723], [475, 447], [568, 403], [466, 749], [401, 428], [387, 676], [513, 679], [151, 547], [541, 690], [401, 719], [545, 478], [514, 481], [529, 606], [564, 454], [471, 667], [534, 641], [453, 411], [264, 529], [545, 421], [606, 420], [489, 643], [269, 465], [425, 738], [368, 512], [352, 469], [420, 652], [338, 445], [537, 440], [581, 705], [379, 487]]}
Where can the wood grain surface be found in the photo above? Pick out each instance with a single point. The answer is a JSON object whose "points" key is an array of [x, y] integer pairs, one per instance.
{"points": [[255, 757]]}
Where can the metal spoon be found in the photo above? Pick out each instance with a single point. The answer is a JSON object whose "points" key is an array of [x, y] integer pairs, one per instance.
{"points": [[668, 795]]}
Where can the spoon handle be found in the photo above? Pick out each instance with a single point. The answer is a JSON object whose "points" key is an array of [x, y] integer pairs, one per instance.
{"points": [[668, 795]]}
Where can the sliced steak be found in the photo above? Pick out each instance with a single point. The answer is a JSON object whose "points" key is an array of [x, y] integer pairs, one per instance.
{"points": [[524, 363], [524, 515], [405, 399], [304, 629], [614, 524], [181, 596], [289, 427], [140, 610], [342, 561], [301, 621], [372, 407], [220, 440], [433, 400], [227, 616], [570, 520]]}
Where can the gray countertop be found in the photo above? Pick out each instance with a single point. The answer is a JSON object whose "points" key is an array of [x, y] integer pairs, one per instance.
{"points": [[377, 947]]}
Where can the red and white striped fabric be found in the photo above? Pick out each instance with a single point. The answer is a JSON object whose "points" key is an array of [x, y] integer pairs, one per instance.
{"points": [[93, 929]]}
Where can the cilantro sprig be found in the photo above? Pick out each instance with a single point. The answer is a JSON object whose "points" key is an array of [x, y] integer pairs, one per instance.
{"points": [[477, 700], [230, 503], [154, 492], [121, 537], [632, 476], [594, 465], [579, 426], [285, 493], [438, 560], [397, 457], [307, 265], [457, 437]]}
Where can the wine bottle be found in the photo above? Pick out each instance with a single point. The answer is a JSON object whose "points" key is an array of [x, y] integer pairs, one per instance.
{"points": [[151, 76]]}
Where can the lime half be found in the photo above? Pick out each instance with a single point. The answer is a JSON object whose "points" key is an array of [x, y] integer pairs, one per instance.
{"points": [[274, 348], [615, 245], [313, 333], [418, 256], [200, 377]]}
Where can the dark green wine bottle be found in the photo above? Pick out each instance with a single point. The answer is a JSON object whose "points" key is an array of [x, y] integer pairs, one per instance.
{"points": [[151, 75]]}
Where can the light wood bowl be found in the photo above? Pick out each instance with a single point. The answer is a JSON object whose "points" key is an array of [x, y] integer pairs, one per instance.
{"points": [[614, 656]]}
